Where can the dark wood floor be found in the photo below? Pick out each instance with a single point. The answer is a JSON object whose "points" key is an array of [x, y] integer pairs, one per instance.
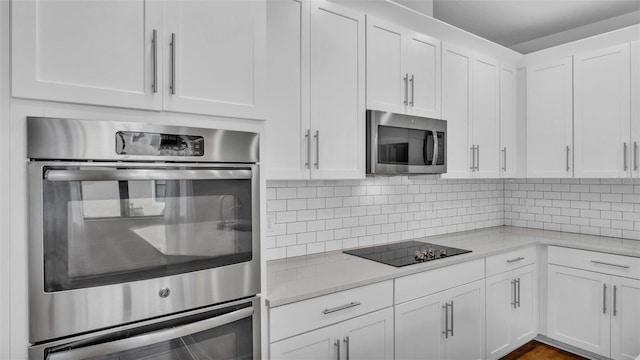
{"points": [[534, 350]]}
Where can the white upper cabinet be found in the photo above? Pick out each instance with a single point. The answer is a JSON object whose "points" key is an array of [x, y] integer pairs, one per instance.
{"points": [[456, 109], [601, 88], [635, 108], [91, 52], [485, 115], [549, 120], [509, 153], [337, 92], [216, 57], [204, 57], [287, 142], [403, 70]]}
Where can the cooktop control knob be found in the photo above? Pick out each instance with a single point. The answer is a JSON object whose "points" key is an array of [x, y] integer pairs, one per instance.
{"points": [[443, 252], [431, 254]]}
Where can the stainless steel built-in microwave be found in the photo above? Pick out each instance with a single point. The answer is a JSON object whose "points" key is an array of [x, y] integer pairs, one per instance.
{"points": [[405, 144]]}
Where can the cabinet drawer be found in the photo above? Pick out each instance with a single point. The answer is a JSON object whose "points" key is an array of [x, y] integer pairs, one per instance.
{"points": [[510, 260], [292, 319], [432, 281], [612, 264]]}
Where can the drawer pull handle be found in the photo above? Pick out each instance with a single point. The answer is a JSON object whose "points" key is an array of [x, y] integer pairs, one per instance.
{"points": [[610, 264], [342, 307], [516, 259]]}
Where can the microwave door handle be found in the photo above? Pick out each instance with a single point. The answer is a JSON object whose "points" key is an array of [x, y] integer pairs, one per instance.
{"points": [[145, 174], [151, 337], [435, 149]]}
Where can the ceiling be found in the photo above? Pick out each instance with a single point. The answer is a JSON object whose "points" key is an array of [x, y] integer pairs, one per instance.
{"points": [[530, 25]]}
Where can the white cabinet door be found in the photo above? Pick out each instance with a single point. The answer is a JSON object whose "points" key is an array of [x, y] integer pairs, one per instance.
{"points": [[287, 141], [337, 91], [635, 107], [386, 88], [216, 59], [466, 339], [601, 88], [625, 320], [423, 67], [368, 337], [419, 328], [320, 344], [91, 52], [456, 109], [485, 116], [524, 319], [508, 123], [500, 303], [549, 120], [578, 304]]}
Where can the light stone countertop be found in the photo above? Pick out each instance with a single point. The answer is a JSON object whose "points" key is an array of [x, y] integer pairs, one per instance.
{"points": [[305, 277]]}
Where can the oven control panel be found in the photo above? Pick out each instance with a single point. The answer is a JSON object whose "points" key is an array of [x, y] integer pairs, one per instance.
{"points": [[145, 143]]}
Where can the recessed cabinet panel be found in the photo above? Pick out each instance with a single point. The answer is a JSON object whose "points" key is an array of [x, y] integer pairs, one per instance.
{"points": [[216, 57], [509, 153], [419, 324], [93, 52], [635, 108], [314, 345], [579, 303], [386, 89], [500, 298], [423, 66], [368, 337], [625, 320], [337, 91], [456, 109], [485, 114], [602, 113], [287, 144], [549, 120]]}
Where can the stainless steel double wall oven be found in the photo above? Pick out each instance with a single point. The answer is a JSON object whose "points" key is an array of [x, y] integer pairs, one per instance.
{"points": [[143, 241]]}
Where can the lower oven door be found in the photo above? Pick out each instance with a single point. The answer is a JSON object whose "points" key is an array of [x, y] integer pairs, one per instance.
{"points": [[115, 243], [231, 331]]}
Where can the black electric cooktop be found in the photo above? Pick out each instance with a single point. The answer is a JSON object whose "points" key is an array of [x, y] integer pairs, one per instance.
{"points": [[406, 253]]}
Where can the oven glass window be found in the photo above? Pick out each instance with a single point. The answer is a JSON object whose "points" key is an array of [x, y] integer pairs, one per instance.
{"points": [[403, 146], [104, 232]]}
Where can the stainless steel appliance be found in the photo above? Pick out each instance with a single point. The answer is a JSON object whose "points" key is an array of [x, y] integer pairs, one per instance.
{"points": [[404, 144], [131, 221], [229, 331], [406, 252]]}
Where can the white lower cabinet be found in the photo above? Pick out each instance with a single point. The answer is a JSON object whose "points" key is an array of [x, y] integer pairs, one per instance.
{"points": [[595, 312], [362, 338], [511, 310], [445, 325]]}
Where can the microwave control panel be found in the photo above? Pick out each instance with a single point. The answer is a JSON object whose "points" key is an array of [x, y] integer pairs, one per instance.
{"points": [[156, 144]]}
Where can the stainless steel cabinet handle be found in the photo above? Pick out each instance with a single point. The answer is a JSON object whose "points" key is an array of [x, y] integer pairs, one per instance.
{"points": [[446, 320], [307, 138], [478, 155], [406, 89], [154, 60], [337, 345], [504, 156], [635, 155], [567, 158], [624, 150], [151, 337], [172, 86], [473, 158], [513, 293], [604, 298], [518, 297], [515, 260], [317, 137], [346, 346], [615, 295], [610, 264], [341, 307], [413, 90], [452, 318]]}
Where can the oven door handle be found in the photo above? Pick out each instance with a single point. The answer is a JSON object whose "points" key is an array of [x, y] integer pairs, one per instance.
{"points": [[145, 174], [150, 338]]}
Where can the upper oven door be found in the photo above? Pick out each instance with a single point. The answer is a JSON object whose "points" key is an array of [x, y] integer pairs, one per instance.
{"points": [[403, 144], [181, 236]]}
